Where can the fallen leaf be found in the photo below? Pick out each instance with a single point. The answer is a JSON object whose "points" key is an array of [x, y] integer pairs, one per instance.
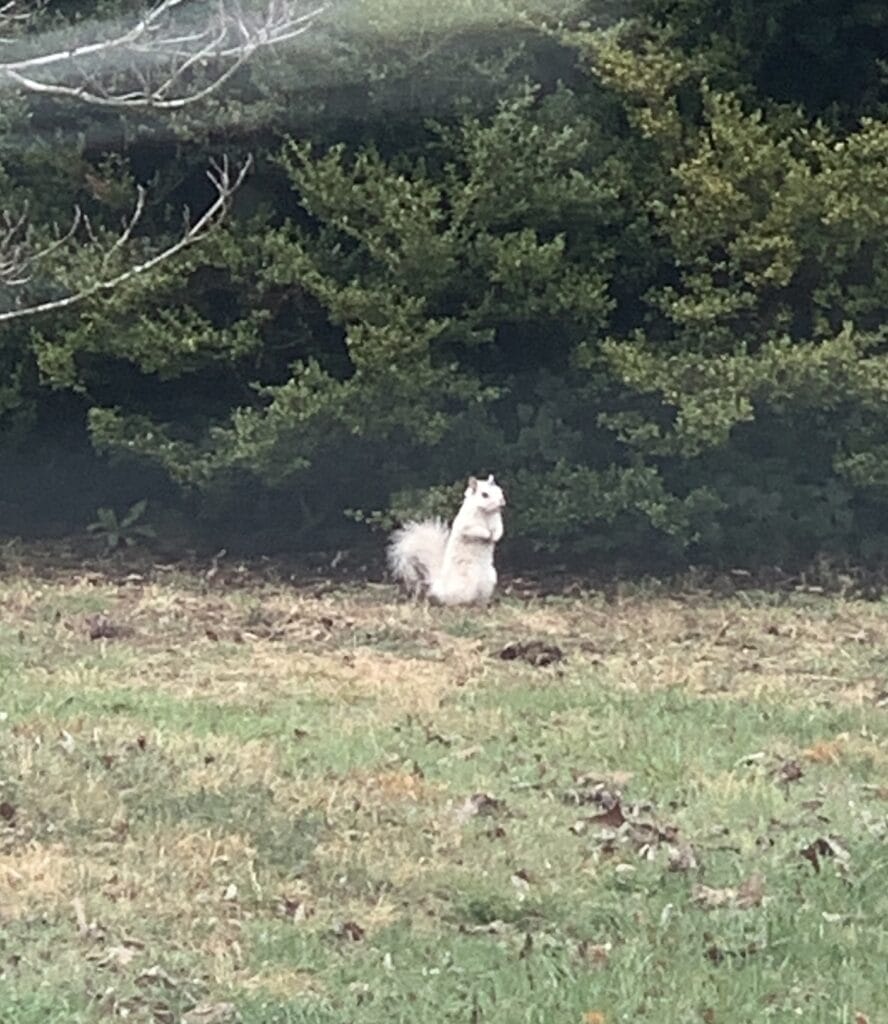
{"points": [[350, 930], [432, 736], [588, 791], [788, 771], [293, 908], [616, 779], [750, 759], [825, 752], [80, 916], [491, 928], [594, 1017], [710, 898], [467, 753], [683, 858], [521, 880], [814, 804], [115, 956], [824, 847], [156, 975], [751, 892], [360, 990], [595, 954], [534, 652], [211, 1013], [613, 817], [479, 804], [100, 627], [718, 954]]}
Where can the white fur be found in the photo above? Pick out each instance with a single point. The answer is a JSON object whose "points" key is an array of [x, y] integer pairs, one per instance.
{"points": [[416, 553], [453, 566]]}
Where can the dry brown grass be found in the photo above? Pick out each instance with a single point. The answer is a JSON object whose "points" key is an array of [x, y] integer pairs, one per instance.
{"points": [[36, 877]]}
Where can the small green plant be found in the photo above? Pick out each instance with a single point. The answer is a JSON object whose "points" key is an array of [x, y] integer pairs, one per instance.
{"points": [[125, 531]]}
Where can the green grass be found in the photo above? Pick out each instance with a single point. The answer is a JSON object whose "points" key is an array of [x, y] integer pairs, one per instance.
{"points": [[266, 798]]}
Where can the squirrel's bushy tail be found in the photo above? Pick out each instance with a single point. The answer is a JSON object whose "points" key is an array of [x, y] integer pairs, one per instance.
{"points": [[416, 552]]}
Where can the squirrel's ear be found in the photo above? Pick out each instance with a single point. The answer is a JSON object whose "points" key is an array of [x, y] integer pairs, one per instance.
{"points": [[490, 479], [473, 483]]}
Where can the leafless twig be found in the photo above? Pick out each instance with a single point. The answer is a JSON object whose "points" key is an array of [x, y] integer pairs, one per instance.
{"points": [[178, 53], [17, 258], [165, 56], [18, 262], [12, 17]]}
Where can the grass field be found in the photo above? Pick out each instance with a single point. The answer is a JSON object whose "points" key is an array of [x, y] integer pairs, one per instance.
{"points": [[257, 802]]}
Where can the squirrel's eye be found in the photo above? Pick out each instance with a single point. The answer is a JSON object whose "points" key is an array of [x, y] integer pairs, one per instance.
{"points": [[484, 494]]}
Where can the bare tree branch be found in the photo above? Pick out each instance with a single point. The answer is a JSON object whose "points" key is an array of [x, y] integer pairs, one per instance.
{"points": [[17, 263], [163, 52], [177, 54], [12, 17], [17, 258]]}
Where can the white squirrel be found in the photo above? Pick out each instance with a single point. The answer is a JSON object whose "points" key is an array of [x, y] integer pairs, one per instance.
{"points": [[455, 565]]}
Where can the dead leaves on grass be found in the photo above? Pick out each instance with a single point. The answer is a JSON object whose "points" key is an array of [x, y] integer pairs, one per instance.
{"points": [[115, 957], [534, 652], [211, 1013], [351, 931], [158, 986], [826, 751], [293, 908], [720, 954], [622, 827], [594, 954], [101, 627], [614, 823], [33, 876], [826, 847], [750, 894], [633, 828], [479, 805], [601, 788], [787, 772]]}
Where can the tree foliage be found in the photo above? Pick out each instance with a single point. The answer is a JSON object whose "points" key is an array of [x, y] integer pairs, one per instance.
{"points": [[618, 264]]}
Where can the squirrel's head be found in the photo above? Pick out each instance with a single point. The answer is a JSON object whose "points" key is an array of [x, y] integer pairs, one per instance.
{"points": [[486, 494]]}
